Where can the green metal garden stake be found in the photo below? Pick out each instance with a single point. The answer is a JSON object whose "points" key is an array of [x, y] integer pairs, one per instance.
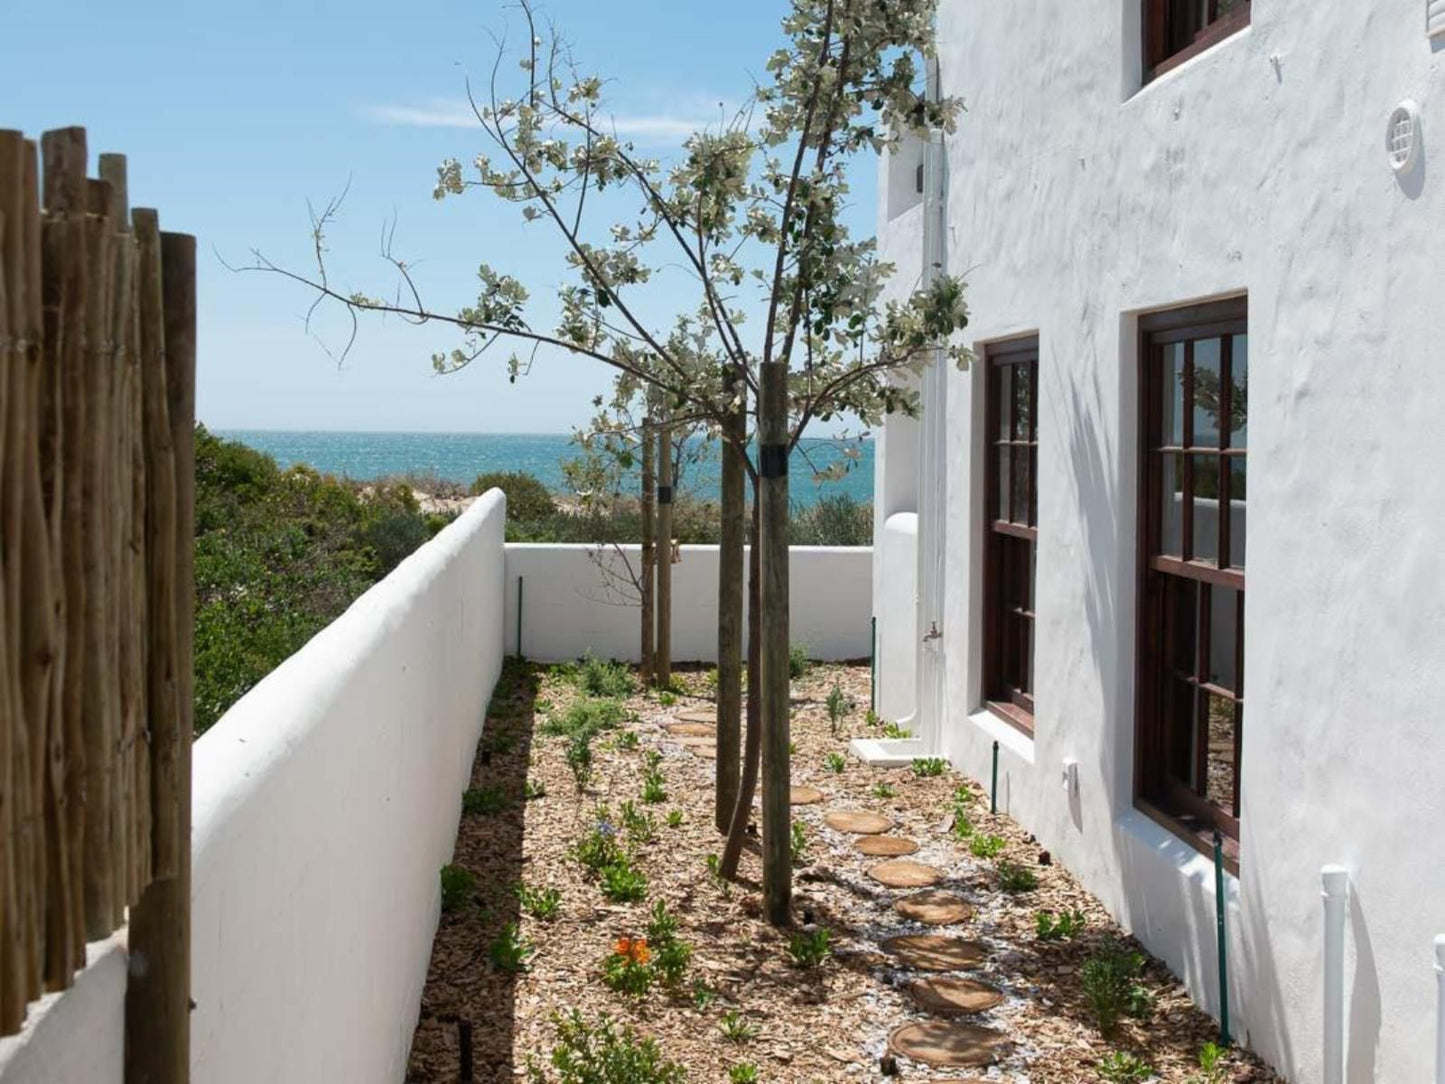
{"points": [[520, 580], [1219, 905], [873, 667], [993, 793]]}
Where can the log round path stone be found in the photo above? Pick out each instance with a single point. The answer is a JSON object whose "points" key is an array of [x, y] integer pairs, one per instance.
{"points": [[947, 1043], [934, 908], [806, 795], [694, 742], [905, 873], [886, 846], [857, 821], [934, 951], [949, 995], [692, 730], [707, 752], [698, 715]]}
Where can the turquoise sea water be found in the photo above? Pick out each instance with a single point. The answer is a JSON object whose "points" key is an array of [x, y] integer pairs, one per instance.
{"points": [[460, 457]]}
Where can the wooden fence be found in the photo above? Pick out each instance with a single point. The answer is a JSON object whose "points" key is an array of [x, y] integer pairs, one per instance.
{"points": [[97, 358]]}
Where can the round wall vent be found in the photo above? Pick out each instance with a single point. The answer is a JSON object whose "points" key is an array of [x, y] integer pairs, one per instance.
{"points": [[1402, 136]]}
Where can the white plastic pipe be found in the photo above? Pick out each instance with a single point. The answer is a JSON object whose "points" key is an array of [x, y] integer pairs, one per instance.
{"points": [[1440, 1009], [1336, 881]]}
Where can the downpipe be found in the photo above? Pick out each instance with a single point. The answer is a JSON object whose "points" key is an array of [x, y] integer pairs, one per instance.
{"points": [[1336, 895]]}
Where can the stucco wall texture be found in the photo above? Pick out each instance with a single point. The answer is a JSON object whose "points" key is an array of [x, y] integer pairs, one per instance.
{"points": [[1078, 199]]}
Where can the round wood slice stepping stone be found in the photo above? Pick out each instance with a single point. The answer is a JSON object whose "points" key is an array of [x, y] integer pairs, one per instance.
{"points": [[947, 1043], [886, 846], [859, 822], [951, 994], [934, 951], [692, 730], [698, 715], [905, 873], [806, 796], [707, 752], [694, 742], [934, 908]]}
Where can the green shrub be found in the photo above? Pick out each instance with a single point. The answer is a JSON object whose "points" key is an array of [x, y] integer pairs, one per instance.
{"points": [[510, 951], [744, 1072], [799, 843], [1111, 987], [601, 1054], [835, 762], [612, 680], [534, 789], [1064, 926], [654, 786], [590, 716], [457, 886], [484, 801], [987, 846], [579, 759], [1013, 878], [527, 498], [736, 1029], [837, 520], [798, 663], [1118, 1067], [929, 767], [641, 826], [884, 790], [627, 970], [674, 818], [893, 730], [622, 882], [808, 950], [670, 954], [540, 903], [838, 705], [598, 849]]}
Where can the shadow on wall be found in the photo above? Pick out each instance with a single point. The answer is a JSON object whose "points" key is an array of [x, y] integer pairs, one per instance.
{"points": [[464, 993], [1362, 1035]]}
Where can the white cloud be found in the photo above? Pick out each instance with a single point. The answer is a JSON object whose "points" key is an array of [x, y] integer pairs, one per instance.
{"points": [[446, 113]]}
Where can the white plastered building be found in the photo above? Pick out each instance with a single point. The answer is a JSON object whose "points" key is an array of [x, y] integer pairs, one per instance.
{"points": [[1213, 234]]}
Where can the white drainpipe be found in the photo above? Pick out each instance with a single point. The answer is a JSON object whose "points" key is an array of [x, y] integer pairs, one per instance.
{"points": [[1440, 1009], [1336, 880]]}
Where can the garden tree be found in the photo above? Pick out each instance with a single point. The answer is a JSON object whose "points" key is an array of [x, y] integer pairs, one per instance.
{"points": [[749, 219]]}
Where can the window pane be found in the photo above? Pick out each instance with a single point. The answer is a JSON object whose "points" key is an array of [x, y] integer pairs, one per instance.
{"points": [[1237, 477], [1171, 508], [1021, 485], [1171, 395], [1023, 401], [1179, 716], [1180, 624], [1239, 401], [1219, 785], [1206, 392], [1034, 487], [1223, 637], [1206, 507], [1028, 685], [1004, 375], [1001, 504]]}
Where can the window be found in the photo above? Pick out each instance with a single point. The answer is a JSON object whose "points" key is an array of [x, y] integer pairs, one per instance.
{"points": [[1195, 431], [1175, 30], [1012, 516]]}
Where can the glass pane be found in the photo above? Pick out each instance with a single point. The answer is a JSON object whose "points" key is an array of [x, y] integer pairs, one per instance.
{"points": [[1034, 487], [1023, 403], [1219, 784], [1001, 504], [1171, 510], [1239, 400], [1180, 624], [1237, 536], [1223, 637], [1028, 685], [1206, 507], [1227, 6], [1207, 353], [1004, 374], [1179, 730], [1171, 390], [1021, 485]]}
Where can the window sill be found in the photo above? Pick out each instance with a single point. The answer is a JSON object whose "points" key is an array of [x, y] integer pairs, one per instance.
{"points": [[1007, 734], [1191, 833], [1021, 719]]}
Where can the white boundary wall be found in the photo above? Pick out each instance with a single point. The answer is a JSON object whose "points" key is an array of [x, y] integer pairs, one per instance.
{"points": [[569, 609], [325, 802]]}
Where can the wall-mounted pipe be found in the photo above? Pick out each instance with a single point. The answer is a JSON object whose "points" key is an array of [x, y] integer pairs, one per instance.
{"points": [[1336, 895], [1440, 1009]]}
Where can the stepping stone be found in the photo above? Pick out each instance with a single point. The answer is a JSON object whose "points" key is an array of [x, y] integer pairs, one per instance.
{"points": [[698, 715], [859, 822], [948, 995], [707, 752], [947, 1043], [697, 743], [935, 951], [692, 730], [934, 908], [905, 873], [885, 846], [806, 796]]}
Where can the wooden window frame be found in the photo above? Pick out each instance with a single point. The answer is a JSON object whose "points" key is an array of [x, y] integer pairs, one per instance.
{"points": [[1156, 792], [1011, 535], [1158, 58]]}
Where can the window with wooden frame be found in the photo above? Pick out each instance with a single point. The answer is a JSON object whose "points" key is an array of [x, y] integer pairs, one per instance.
{"points": [[1194, 409], [1011, 519], [1175, 30]]}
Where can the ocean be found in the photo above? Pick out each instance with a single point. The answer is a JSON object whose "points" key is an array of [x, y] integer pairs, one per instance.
{"points": [[460, 457]]}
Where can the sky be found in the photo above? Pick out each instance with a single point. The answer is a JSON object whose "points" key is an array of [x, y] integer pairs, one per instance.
{"points": [[234, 115]]}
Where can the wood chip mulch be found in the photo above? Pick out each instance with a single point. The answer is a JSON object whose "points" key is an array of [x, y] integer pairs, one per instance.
{"points": [[832, 1023]]}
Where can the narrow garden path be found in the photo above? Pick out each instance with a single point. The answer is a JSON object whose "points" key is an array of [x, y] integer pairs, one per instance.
{"points": [[917, 952]]}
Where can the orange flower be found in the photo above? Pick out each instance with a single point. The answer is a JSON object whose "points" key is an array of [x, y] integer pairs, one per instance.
{"points": [[633, 948]]}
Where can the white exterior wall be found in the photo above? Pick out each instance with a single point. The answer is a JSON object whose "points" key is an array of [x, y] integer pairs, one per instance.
{"points": [[1079, 200], [897, 610], [325, 802], [570, 606]]}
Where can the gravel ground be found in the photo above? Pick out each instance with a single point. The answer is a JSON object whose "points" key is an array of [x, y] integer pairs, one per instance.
{"points": [[827, 1024]]}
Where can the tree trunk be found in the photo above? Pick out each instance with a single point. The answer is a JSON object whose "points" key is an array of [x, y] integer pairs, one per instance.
{"points": [[730, 617], [649, 554], [752, 751], [663, 660], [773, 679]]}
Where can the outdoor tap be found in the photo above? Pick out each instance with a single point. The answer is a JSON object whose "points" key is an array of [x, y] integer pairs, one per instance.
{"points": [[933, 633]]}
